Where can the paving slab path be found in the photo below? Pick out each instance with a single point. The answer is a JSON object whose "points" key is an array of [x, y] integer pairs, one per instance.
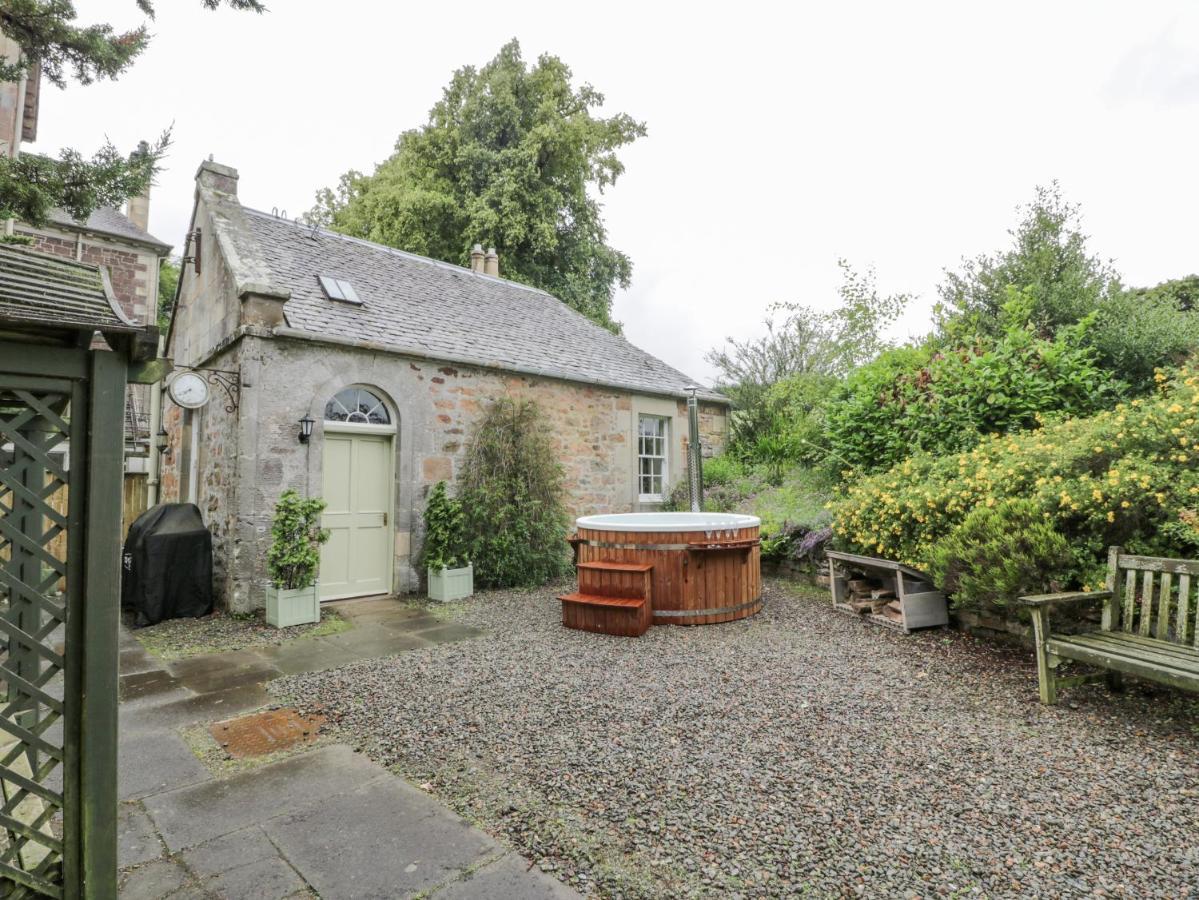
{"points": [[324, 822]]}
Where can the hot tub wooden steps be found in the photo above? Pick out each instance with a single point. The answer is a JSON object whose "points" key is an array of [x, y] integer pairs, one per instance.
{"points": [[599, 600], [613, 598], [623, 616]]}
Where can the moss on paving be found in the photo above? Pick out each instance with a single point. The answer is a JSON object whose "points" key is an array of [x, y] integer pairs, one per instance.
{"points": [[222, 632]]}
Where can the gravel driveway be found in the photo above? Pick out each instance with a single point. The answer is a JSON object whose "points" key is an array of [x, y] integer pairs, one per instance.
{"points": [[800, 752]]}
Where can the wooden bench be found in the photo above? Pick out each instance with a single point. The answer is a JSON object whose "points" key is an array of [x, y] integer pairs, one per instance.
{"points": [[1147, 629]]}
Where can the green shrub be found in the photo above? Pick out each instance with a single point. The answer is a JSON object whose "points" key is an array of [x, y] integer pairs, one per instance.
{"points": [[729, 482], [721, 471], [941, 401], [1127, 476], [1137, 331], [514, 517], [789, 509], [445, 541], [794, 427], [999, 552], [296, 537]]}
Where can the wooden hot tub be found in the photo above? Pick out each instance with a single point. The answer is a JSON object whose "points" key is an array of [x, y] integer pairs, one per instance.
{"points": [[706, 567]]}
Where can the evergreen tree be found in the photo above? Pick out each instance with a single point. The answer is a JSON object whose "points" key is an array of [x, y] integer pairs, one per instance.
{"points": [[49, 37]]}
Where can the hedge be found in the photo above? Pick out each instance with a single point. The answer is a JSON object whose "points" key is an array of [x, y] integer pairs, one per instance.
{"points": [[1036, 510]]}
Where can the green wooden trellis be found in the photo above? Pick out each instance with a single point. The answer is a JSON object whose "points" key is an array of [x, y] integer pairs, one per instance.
{"points": [[61, 430], [62, 400]]}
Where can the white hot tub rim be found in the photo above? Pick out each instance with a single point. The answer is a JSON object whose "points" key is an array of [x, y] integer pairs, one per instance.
{"points": [[657, 521]]}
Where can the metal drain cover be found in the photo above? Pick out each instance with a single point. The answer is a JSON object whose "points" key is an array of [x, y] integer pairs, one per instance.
{"points": [[265, 732]]}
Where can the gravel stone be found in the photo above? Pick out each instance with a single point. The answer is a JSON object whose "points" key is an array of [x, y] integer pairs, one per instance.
{"points": [[798, 752], [221, 632]]}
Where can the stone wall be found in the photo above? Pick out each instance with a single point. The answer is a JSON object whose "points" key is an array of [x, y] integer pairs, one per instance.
{"points": [[216, 442], [249, 461]]}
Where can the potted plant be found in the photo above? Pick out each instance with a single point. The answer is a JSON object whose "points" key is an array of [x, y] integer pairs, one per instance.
{"points": [[293, 560], [451, 576]]}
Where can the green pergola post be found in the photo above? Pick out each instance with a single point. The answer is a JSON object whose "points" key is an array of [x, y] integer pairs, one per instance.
{"points": [[101, 615]]}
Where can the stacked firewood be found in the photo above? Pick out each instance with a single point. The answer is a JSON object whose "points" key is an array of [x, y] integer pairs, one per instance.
{"points": [[868, 596]]}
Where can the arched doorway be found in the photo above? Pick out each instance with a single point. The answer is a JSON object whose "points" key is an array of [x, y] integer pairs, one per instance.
{"points": [[357, 479]]}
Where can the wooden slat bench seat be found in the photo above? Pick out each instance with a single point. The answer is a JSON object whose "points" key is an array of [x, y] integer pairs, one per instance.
{"points": [[1148, 627]]}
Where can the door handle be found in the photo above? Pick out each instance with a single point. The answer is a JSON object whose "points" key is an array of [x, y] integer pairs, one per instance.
{"points": [[384, 519]]}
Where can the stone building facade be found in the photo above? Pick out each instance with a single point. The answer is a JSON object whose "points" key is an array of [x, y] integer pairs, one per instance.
{"points": [[429, 345]]}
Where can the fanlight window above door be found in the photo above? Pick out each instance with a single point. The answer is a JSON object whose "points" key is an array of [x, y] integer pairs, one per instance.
{"points": [[357, 406]]}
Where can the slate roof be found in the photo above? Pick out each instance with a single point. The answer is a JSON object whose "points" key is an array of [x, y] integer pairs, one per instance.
{"points": [[55, 293], [435, 309], [109, 221]]}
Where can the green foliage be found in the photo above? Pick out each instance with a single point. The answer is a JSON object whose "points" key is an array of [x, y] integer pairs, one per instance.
{"points": [[296, 536], [939, 400], [1137, 331], [790, 506], [168, 283], [31, 185], [508, 159], [445, 539], [778, 382], [1048, 261], [512, 498], [794, 428], [999, 552], [1128, 475], [1050, 267], [1181, 293], [730, 483]]}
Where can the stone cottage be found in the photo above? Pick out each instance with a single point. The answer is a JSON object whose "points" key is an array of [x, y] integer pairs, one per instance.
{"points": [[390, 357]]}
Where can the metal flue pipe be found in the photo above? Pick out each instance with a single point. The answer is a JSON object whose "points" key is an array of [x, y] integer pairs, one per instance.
{"points": [[695, 460]]}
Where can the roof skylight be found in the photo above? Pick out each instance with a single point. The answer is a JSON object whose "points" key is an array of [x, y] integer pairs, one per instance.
{"points": [[339, 289]]}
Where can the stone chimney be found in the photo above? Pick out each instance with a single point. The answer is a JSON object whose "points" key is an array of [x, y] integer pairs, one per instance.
{"points": [[217, 177], [476, 258], [137, 210], [491, 263]]}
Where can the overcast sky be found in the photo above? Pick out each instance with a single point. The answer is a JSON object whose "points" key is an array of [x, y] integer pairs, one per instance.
{"points": [[781, 136]]}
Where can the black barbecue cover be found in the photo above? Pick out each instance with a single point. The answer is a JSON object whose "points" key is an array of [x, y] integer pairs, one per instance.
{"points": [[167, 564]]}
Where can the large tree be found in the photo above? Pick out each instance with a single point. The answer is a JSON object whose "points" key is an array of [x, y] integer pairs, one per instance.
{"points": [[1062, 284], [49, 37], [511, 157], [1048, 259]]}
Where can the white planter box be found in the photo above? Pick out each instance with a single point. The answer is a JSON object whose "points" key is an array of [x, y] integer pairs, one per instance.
{"points": [[298, 607], [451, 584]]}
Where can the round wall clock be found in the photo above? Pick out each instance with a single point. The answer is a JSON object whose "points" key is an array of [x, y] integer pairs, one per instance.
{"points": [[189, 390]]}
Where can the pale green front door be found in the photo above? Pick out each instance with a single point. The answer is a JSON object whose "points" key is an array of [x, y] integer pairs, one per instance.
{"points": [[356, 561]]}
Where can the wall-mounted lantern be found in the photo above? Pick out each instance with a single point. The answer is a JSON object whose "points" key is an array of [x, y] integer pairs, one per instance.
{"points": [[306, 424]]}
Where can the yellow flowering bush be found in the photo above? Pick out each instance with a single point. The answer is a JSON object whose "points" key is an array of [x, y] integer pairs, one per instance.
{"points": [[1123, 476]]}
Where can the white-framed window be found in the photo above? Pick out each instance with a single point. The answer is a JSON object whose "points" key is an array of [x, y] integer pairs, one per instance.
{"points": [[652, 444]]}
